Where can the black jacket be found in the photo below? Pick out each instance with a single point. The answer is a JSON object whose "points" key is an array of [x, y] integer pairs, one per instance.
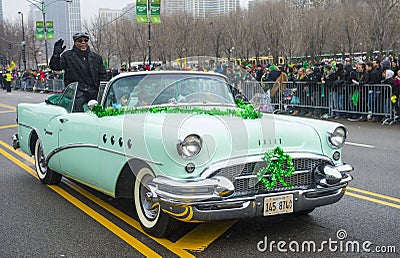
{"points": [[349, 75], [86, 68], [375, 76]]}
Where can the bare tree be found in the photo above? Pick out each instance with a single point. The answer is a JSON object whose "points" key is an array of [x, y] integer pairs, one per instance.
{"points": [[382, 12], [306, 28], [102, 40]]}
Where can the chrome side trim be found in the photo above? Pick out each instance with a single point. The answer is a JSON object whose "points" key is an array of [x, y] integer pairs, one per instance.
{"points": [[26, 126], [83, 145]]}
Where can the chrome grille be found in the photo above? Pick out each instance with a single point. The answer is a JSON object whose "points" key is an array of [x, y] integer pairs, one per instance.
{"points": [[244, 176]]}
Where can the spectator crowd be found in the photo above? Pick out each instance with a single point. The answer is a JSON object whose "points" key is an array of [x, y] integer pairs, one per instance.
{"points": [[339, 85]]}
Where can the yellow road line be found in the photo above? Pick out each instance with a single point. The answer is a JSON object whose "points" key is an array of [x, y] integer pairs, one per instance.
{"points": [[8, 106], [18, 152], [203, 235], [7, 111], [373, 200], [129, 220], [139, 246], [197, 240], [19, 163], [8, 126], [200, 237], [374, 194]]}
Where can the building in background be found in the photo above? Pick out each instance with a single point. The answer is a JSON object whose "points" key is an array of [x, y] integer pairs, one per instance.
{"points": [[106, 14], [74, 19], [195, 8], [171, 7], [1, 11], [66, 17], [210, 8], [299, 4], [129, 11]]}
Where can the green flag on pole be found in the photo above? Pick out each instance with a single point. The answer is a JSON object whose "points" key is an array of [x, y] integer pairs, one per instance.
{"points": [[39, 30], [155, 11], [141, 11], [50, 30]]}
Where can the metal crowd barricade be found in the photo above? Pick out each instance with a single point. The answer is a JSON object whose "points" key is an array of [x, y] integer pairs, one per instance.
{"points": [[250, 89], [55, 85], [39, 85], [17, 84], [342, 101], [317, 99], [369, 99], [304, 98], [30, 82]]}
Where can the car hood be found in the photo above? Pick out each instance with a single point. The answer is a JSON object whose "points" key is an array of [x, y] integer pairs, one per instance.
{"points": [[223, 137], [300, 135]]}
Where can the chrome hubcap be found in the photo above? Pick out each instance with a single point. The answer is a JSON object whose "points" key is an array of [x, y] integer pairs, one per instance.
{"points": [[149, 204]]}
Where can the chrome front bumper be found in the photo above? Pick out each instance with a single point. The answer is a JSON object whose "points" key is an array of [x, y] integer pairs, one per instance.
{"points": [[209, 200], [15, 142]]}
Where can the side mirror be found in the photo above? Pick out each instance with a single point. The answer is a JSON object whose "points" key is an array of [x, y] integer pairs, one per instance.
{"points": [[242, 97]]}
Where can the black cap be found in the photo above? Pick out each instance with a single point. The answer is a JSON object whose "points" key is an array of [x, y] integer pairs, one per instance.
{"points": [[79, 35]]}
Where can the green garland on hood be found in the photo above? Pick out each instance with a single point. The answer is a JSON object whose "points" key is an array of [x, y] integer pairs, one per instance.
{"points": [[275, 160], [246, 111]]}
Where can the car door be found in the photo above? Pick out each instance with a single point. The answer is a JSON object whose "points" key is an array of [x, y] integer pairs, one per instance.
{"points": [[77, 140], [78, 143]]}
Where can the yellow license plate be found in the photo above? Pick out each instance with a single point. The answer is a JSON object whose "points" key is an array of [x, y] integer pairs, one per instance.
{"points": [[278, 205]]}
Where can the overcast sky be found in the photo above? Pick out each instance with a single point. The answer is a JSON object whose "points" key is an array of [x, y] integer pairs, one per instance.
{"points": [[88, 7]]}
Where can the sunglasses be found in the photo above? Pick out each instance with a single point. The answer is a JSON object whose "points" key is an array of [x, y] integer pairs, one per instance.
{"points": [[82, 41]]}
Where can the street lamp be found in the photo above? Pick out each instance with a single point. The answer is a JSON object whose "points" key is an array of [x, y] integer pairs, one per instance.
{"points": [[42, 8], [231, 54], [149, 26], [23, 40]]}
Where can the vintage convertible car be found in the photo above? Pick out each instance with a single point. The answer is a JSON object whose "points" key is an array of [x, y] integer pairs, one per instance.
{"points": [[186, 146]]}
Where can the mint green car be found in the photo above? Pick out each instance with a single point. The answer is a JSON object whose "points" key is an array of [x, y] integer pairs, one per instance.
{"points": [[183, 147]]}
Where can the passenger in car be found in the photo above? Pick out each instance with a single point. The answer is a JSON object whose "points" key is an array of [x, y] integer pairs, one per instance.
{"points": [[123, 98], [144, 98]]}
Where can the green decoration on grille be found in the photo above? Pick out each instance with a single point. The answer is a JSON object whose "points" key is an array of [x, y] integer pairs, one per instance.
{"points": [[246, 111], [276, 160]]}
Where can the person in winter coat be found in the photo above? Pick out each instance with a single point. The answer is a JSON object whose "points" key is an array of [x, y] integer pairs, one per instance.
{"points": [[7, 81], [396, 93], [81, 65], [394, 82], [327, 83], [348, 76]]}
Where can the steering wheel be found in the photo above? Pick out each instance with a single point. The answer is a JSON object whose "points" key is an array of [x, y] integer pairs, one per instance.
{"points": [[204, 97], [194, 97]]}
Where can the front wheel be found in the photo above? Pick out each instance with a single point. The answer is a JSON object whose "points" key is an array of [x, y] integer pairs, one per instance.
{"points": [[45, 174], [152, 219]]}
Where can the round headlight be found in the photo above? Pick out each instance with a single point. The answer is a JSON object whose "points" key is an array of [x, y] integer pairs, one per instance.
{"points": [[190, 146], [338, 137]]}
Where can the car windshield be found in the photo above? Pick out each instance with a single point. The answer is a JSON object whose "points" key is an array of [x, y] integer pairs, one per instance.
{"points": [[170, 89]]}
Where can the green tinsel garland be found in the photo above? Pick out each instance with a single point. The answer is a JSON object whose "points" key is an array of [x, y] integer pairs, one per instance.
{"points": [[275, 160], [245, 111]]}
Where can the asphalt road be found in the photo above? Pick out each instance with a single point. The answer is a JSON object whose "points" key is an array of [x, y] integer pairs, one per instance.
{"points": [[71, 221]]}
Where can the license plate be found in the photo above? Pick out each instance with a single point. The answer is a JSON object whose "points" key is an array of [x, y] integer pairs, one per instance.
{"points": [[278, 205]]}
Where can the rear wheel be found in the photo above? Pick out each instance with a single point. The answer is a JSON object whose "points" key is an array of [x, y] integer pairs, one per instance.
{"points": [[152, 219], [45, 174]]}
